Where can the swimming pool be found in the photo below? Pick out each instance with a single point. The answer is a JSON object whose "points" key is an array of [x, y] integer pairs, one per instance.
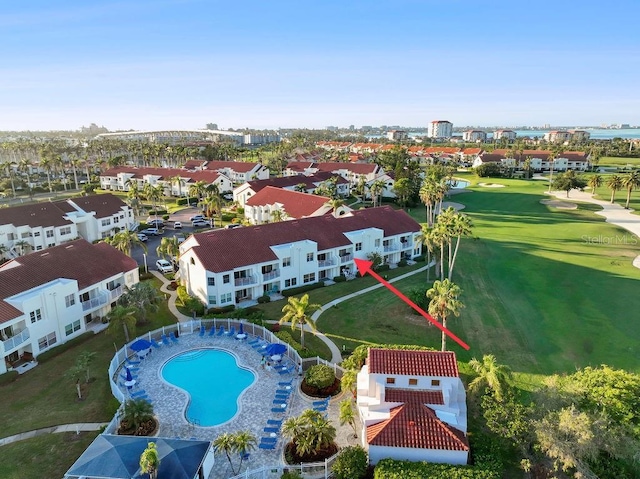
{"points": [[214, 382], [456, 183]]}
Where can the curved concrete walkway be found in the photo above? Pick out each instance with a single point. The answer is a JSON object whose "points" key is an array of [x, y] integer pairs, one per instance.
{"points": [[77, 428], [172, 296]]}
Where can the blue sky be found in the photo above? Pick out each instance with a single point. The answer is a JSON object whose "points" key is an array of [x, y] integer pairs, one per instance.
{"points": [[267, 64]]}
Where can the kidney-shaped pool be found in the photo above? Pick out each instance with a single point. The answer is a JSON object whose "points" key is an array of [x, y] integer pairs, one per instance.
{"points": [[214, 382]]}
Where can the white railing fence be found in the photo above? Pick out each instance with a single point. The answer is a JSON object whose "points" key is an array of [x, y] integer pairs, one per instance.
{"points": [[311, 470]]}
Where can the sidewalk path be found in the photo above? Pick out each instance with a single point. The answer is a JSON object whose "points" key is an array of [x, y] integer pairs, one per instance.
{"points": [[77, 428], [613, 213], [171, 297]]}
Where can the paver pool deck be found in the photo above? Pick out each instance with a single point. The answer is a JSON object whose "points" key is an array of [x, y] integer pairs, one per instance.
{"points": [[255, 403]]}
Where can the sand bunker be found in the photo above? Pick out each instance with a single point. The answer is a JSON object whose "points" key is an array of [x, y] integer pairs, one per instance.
{"points": [[561, 205], [455, 206], [490, 185]]}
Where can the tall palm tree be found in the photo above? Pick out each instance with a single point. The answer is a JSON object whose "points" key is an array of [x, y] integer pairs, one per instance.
{"points": [[134, 194], [144, 297], [297, 312], [630, 181], [235, 443], [461, 226], [153, 194], [347, 415], [198, 189], [46, 163], [122, 316], [245, 442], [24, 246], [124, 240], [278, 215], [444, 302], [376, 188], [490, 375], [150, 460], [614, 183], [428, 197], [169, 247], [594, 182], [136, 412], [177, 180], [430, 241]]}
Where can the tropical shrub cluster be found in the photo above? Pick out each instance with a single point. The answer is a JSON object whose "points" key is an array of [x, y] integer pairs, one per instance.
{"points": [[312, 438], [392, 469], [302, 289], [304, 352], [351, 463], [320, 381]]}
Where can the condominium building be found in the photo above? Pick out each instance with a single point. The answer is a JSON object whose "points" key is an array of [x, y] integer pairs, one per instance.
{"points": [[557, 136], [509, 135], [229, 267], [397, 135], [579, 135], [49, 297], [474, 136], [440, 129]]}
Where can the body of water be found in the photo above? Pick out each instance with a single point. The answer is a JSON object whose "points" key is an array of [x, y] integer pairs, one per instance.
{"points": [[214, 382]]}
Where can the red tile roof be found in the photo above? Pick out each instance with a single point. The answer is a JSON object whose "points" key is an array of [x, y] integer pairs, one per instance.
{"points": [[287, 181], [295, 204], [237, 166], [37, 214], [472, 151], [357, 168], [224, 250], [193, 164], [299, 165], [413, 396], [416, 426], [412, 362], [74, 260], [164, 173], [103, 205]]}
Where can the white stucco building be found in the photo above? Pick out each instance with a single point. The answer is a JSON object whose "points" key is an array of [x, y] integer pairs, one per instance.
{"points": [[412, 405], [506, 134], [440, 129], [227, 267], [49, 297], [474, 135]]}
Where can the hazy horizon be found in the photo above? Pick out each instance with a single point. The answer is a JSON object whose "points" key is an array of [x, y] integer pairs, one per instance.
{"points": [[185, 63]]}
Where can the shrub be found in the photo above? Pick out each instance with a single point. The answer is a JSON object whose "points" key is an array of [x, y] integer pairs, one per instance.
{"points": [[383, 267], [240, 211], [165, 217], [185, 201], [64, 347], [227, 217], [157, 212], [291, 475], [301, 289], [320, 376], [488, 169], [221, 310], [264, 299], [351, 463], [339, 279], [402, 263], [392, 469], [304, 352]]}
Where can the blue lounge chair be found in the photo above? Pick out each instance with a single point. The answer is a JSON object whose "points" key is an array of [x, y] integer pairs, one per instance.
{"points": [[212, 331], [266, 445], [321, 403], [286, 383], [220, 331], [283, 391], [278, 409], [286, 370], [320, 408], [165, 340], [155, 344], [279, 401], [253, 341], [268, 440], [231, 332], [277, 422], [136, 394], [173, 337], [131, 362], [281, 397], [202, 330], [271, 429]]}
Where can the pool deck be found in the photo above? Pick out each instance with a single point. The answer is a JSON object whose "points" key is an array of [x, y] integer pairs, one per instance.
{"points": [[255, 403]]}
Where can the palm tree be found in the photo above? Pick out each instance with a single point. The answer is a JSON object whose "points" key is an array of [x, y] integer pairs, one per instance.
{"points": [[134, 194], [136, 412], [630, 181], [376, 188], [244, 443], [178, 181], [310, 432], [124, 240], [444, 302], [347, 416], [197, 189], [123, 315], [3, 250], [169, 247], [47, 164], [614, 183], [278, 215], [153, 194], [490, 375], [594, 182], [461, 226], [240, 442], [300, 187], [144, 297], [429, 240], [297, 311], [24, 246], [150, 460]]}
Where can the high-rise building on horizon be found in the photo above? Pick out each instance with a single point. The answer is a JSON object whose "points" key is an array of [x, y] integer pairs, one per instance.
{"points": [[440, 129]]}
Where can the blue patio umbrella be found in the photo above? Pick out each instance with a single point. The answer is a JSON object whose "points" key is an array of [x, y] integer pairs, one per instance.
{"points": [[275, 348], [140, 345], [241, 329], [128, 377]]}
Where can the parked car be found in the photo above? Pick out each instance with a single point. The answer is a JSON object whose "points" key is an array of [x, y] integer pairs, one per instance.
{"points": [[155, 223], [201, 224], [231, 226], [177, 225], [151, 232], [164, 266], [143, 237], [196, 218]]}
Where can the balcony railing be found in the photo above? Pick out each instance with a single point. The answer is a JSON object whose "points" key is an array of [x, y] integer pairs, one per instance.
{"points": [[346, 258], [271, 275], [245, 281], [390, 247], [16, 340], [325, 262], [96, 302], [116, 293]]}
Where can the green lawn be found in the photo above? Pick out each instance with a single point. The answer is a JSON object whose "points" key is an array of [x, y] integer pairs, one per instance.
{"points": [[543, 290], [618, 161]]}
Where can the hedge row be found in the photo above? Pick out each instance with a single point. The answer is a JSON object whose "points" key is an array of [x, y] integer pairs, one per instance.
{"points": [[157, 212], [392, 469], [302, 289], [185, 201], [287, 338], [221, 310]]}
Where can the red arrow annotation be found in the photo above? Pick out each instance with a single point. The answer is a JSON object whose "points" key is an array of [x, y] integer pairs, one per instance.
{"points": [[364, 267]]}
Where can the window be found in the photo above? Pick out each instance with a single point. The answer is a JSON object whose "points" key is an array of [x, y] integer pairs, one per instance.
{"points": [[47, 341], [225, 298], [309, 278], [435, 382], [309, 257], [193, 261], [413, 382], [51, 245], [38, 248], [286, 261], [25, 235], [37, 233], [212, 300], [106, 222], [69, 329], [70, 300], [49, 233], [290, 282], [226, 278], [358, 246], [35, 315], [211, 281], [11, 236], [391, 380], [116, 220], [65, 230], [378, 243]]}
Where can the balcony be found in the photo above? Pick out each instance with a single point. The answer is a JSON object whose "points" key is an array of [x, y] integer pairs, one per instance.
{"points": [[249, 280], [271, 275], [116, 293], [346, 258], [16, 340], [390, 247], [324, 263], [93, 303]]}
